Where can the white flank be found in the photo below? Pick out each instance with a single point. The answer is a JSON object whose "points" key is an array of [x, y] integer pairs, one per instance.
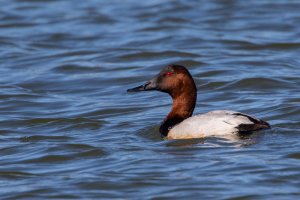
{"points": [[215, 123]]}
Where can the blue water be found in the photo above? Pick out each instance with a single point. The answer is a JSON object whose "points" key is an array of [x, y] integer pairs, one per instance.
{"points": [[69, 130]]}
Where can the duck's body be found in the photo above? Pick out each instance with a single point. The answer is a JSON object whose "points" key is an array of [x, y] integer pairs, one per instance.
{"points": [[216, 123], [179, 123]]}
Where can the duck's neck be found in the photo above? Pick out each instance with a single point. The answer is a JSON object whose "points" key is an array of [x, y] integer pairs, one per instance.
{"points": [[183, 107]]}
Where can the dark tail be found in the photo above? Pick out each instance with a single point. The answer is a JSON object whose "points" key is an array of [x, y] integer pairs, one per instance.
{"points": [[256, 126]]}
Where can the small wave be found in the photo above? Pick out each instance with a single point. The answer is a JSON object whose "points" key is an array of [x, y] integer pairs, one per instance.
{"points": [[157, 55], [271, 46], [38, 138], [260, 83], [294, 156], [67, 69], [15, 174]]}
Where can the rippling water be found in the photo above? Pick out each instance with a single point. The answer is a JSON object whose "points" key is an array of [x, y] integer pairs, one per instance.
{"points": [[69, 130]]}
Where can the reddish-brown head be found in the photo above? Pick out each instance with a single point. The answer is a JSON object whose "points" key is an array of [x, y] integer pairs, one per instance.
{"points": [[172, 79], [178, 82]]}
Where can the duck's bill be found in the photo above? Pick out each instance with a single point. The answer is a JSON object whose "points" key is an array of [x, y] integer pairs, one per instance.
{"points": [[150, 85], [137, 89]]}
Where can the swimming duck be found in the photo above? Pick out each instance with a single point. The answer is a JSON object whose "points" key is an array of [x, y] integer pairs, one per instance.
{"points": [[180, 124]]}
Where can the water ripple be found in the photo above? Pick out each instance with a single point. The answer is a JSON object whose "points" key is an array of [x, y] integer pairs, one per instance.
{"points": [[69, 130]]}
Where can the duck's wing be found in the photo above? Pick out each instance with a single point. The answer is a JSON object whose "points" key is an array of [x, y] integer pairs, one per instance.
{"points": [[217, 123]]}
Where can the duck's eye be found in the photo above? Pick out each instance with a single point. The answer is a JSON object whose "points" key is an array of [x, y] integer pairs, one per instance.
{"points": [[168, 73]]}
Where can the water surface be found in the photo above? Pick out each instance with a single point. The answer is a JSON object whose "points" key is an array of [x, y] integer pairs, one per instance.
{"points": [[68, 130]]}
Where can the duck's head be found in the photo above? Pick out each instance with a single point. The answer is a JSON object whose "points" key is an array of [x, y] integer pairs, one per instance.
{"points": [[172, 79], [177, 82]]}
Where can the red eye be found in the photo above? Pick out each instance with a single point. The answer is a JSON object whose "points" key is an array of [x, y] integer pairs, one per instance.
{"points": [[169, 73]]}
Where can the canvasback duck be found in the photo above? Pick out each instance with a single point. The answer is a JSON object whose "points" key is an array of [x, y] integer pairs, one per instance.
{"points": [[180, 124]]}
